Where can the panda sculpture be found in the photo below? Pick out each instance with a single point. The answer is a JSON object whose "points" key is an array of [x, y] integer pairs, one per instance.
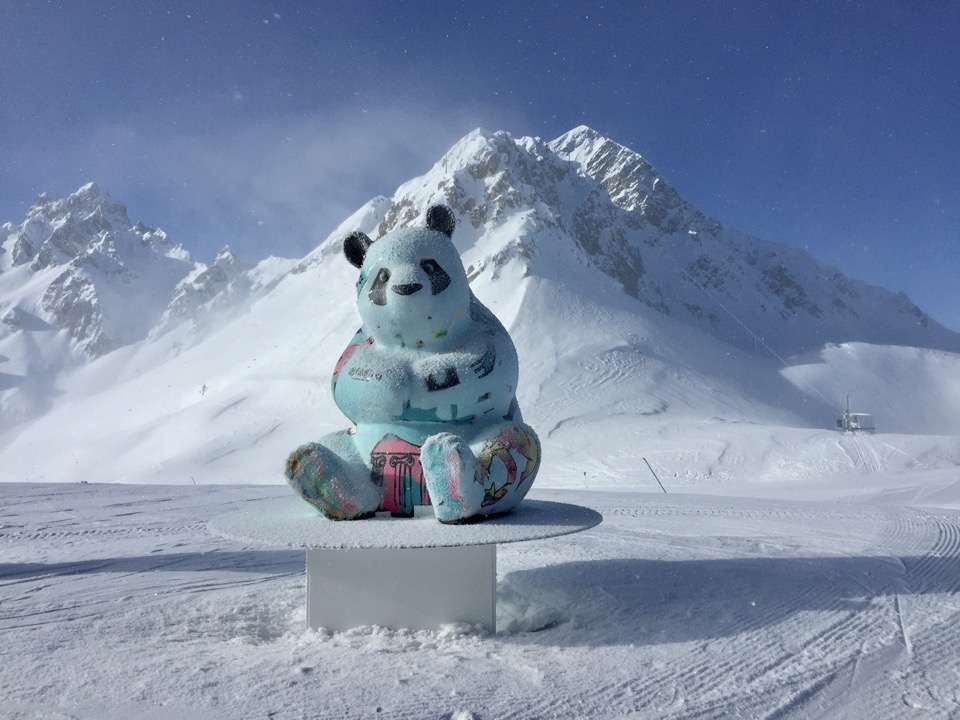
{"points": [[429, 382]]}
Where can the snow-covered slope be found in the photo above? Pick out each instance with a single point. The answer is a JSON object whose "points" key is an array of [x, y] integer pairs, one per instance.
{"points": [[584, 200], [78, 281], [646, 331]]}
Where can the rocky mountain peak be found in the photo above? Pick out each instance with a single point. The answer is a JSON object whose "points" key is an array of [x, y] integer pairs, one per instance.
{"points": [[226, 258], [86, 270], [596, 203], [631, 181], [57, 230]]}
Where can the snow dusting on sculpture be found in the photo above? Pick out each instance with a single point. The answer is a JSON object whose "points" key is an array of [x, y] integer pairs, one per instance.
{"points": [[429, 382]]}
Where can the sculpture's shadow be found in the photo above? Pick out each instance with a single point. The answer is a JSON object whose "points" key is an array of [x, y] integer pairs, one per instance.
{"points": [[641, 602], [272, 562]]}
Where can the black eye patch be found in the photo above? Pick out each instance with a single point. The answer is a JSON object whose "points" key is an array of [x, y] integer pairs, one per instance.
{"points": [[439, 280], [378, 291]]}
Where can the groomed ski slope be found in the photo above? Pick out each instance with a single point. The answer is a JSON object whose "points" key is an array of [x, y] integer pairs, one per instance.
{"points": [[116, 602]]}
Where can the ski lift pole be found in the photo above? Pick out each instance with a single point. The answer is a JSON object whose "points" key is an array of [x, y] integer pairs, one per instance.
{"points": [[655, 476]]}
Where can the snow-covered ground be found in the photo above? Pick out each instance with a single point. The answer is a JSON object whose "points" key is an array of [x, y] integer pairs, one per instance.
{"points": [[116, 602]]}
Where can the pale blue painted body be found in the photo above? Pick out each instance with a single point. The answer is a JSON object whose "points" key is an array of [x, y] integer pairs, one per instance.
{"points": [[430, 368]]}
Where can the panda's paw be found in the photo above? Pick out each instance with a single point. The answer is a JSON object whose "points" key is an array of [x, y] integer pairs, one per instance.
{"points": [[449, 470], [318, 476]]}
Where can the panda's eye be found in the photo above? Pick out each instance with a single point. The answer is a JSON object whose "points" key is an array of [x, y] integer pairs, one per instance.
{"points": [[378, 289], [439, 280]]}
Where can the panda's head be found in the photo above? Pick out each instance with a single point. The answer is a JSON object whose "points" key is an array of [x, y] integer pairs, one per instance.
{"points": [[412, 290]]}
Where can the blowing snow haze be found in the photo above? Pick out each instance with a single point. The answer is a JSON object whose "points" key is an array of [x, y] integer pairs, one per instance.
{"points": [[630, 302]]}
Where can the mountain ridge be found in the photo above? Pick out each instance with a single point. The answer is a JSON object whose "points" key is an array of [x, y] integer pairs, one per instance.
{"points": [[633, 312], [107, 272], [626, 219]]}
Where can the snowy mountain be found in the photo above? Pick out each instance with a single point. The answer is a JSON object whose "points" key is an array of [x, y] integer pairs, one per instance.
{"points": [[603, 206], [78, 264], [78, 281], [207, 291], [645, 329]]}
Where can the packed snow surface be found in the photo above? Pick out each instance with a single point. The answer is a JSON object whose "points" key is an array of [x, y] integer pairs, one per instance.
{"points": [[116, 602]]}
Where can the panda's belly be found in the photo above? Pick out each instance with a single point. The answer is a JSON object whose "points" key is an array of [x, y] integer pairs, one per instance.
{"points": [[372, 400], [371, 387], [409, 388]]}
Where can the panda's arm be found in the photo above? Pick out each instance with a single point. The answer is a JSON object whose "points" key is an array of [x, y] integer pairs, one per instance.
{"points": [[360, 340], [470, 365]]}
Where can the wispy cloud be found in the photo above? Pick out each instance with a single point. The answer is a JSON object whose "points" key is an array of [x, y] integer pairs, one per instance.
{"points": [[276, 186]]}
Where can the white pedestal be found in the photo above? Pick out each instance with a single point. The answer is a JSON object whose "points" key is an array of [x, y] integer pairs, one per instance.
{"points": [[400, 573], [420, 588]]}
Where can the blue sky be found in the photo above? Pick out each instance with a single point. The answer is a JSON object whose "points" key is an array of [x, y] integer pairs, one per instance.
{"points": [[833, 126]]}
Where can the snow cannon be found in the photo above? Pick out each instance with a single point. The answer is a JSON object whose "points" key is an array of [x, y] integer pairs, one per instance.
{"points": [[429, 382]]}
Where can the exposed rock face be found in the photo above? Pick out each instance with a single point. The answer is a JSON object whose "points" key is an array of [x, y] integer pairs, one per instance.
{"points": [[73, 302], [587, 195], [80, 266]]}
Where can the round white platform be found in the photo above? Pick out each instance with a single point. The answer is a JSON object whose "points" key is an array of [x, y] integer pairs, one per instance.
{"points": [[293, 523]]}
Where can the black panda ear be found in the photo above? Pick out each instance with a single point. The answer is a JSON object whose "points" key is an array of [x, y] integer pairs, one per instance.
{"points": [[355, 247], [441, 219]]}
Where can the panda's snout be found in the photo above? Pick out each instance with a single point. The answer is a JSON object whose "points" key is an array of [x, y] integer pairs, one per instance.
{"points": [[408, 289]]}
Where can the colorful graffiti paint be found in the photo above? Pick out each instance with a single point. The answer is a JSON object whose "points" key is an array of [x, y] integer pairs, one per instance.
{"points": [[429, 383], [395, 466]]}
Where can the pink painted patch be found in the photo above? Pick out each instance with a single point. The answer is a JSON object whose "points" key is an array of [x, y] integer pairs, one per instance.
{"points": [[453, 483], [347, 354], [396, 467]]}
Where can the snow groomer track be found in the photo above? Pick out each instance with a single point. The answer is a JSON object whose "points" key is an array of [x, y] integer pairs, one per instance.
{"points": [[115, 601]]}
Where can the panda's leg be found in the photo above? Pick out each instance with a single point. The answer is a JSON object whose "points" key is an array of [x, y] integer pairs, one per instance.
{"points": [[507, 464], [489, 476], [331, 476], [449, 471]]}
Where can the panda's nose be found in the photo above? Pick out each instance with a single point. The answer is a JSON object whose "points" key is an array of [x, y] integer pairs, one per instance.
{"points": [[408, 289]]}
